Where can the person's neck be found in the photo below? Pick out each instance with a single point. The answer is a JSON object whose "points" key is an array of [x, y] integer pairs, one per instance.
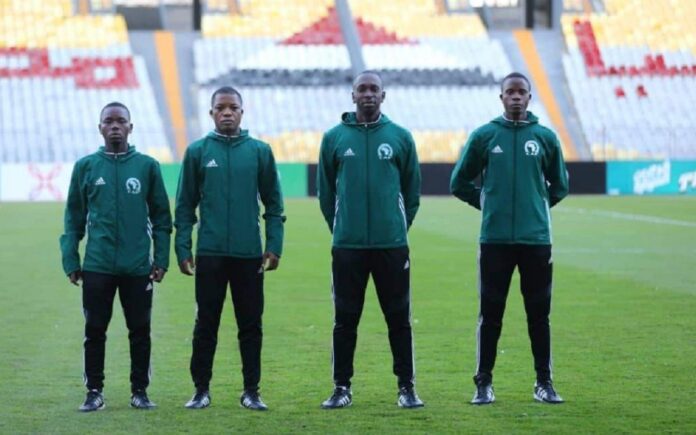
{"points": [[236, 132], [367, 118], [521, 116], [121, 148]]}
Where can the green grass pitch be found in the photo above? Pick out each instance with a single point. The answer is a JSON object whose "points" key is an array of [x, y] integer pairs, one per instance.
{"points": [[623, 329]]}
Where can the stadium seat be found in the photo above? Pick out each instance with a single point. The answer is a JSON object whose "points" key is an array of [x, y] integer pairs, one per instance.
{"points": [[56, 62], [638, 45]]}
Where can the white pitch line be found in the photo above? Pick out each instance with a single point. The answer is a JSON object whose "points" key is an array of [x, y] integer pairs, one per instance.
{"points": [[629, 216], [622, 251]]}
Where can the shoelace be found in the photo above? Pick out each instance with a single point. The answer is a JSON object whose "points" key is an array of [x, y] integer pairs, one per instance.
{"points": [[547, 390]]}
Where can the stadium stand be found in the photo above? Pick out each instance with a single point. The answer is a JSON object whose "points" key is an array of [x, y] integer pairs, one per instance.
{"points": [[57, 70], [295, 73], [624, 68]]}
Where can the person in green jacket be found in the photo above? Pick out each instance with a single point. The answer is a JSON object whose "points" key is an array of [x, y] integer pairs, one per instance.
{"points": [[368, 182], [117, 197], [523, 175], [225, 174]]}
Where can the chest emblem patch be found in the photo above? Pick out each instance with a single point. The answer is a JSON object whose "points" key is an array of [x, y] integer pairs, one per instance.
{"points": [[133, 186], [385, 151], [531, 148]]}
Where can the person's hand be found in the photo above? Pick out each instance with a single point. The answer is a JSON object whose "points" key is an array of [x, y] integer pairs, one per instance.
{"points": [[157, 274], [75, 277], [187, 267], [270, 261]]}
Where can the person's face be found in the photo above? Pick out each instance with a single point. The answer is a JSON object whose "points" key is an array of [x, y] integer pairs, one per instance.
{"points": [[115, 126], [515, 97], [227, 113], [368, 94]]}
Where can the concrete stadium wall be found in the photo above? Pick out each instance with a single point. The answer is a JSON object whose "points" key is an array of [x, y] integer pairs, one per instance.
{"points": [[50, 181], [585, 178]]}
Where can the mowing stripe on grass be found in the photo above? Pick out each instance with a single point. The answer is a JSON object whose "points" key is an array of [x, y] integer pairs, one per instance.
{"points": [[628, 216]]}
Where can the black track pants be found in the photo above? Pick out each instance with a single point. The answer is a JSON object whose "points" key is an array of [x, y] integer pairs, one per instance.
{"points": [[135, 294], [245, 278], [497, 263], [390, 270]]}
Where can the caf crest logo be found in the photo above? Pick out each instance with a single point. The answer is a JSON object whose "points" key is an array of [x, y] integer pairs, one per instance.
{"points": [[133, 186], [385, 151], [531, 148]]}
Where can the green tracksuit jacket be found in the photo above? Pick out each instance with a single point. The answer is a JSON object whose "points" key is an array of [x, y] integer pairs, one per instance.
{"points": [[522, 174], [368, 182], [120, 200], [225, 176]]}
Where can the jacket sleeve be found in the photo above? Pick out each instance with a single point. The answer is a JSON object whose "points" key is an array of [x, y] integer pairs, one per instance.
{"points": [[160, 217], [556, 174], [75, 221], [411, 181], [326, 181], [187, 199], [466, 170], [272, 199]]}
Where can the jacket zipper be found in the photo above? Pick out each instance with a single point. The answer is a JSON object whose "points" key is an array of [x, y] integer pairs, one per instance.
{"points": [[514, 178], [367, 184], [117, 220], [229, 189]]}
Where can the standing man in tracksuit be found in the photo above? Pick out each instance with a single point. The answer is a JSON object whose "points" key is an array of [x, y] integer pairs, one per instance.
{"points": [[523, 175], [225, 174], [369, 192], [117, 196]]}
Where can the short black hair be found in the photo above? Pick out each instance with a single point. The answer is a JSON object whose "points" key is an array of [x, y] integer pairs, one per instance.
{"points": [[114, 104], [515, 75], [369, 71], [225, 90]]}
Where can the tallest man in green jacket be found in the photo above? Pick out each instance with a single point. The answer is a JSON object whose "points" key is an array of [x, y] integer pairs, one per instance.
{"points": [[522, 176], [224, 175], [369, 189]]}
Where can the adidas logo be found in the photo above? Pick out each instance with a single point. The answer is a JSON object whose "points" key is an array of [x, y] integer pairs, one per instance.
{"points": [[149, 287], [349, 153], [407, 265], [100, 182], [211, 164], [497, 150]]}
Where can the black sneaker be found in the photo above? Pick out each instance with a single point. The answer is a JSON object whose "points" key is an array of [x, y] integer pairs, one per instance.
{"points": [[544, 392], [93, 402], [484, 394], [199, 400], [139, 400], [341, 398], [252, 400], [408, 398]]}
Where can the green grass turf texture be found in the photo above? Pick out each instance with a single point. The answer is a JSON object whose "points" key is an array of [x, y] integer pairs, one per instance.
{"points": [[623, 329]]}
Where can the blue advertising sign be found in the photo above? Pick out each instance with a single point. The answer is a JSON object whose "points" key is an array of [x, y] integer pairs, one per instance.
{"points": [[667, 177]]}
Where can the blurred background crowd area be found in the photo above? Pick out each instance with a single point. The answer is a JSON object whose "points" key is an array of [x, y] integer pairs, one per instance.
{"points": [[615, 79]]}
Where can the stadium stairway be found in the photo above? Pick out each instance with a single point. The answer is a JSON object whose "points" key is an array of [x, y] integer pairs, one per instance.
{"points": [[143, 44], [184, 56], [173, 82], [550, 45]]}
